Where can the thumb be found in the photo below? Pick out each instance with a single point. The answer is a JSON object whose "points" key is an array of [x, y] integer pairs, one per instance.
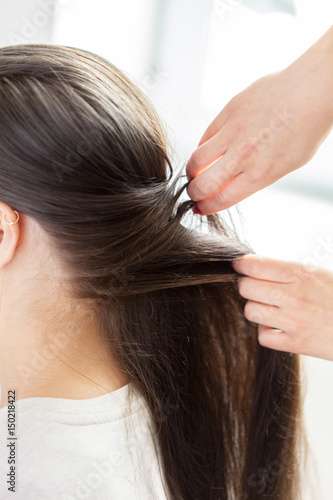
{"points": [[219, 121]]}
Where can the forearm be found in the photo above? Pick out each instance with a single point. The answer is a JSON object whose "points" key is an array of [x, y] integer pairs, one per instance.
{"points": [[317, 61]]}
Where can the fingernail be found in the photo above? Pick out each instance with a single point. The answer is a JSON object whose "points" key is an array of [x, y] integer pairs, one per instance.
{"points": [[234, 264], [196, 210]]}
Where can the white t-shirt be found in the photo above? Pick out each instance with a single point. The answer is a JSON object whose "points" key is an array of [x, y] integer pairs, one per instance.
{"points": [[68, 449]]}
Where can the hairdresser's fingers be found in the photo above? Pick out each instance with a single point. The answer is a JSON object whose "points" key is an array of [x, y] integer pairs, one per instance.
{"points": [[239, 186], [265, 268], [304, 312], [281, 340], [211, 180], [219, 121], [266, 292], [276, 339], [208, 153], [264, 314]]}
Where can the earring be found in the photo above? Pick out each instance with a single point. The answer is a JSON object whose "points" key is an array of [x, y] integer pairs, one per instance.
{"points": [[1, 287], [10, 223]]}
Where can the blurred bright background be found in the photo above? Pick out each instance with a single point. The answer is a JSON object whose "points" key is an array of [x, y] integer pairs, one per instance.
{"points": [[191, 57]]}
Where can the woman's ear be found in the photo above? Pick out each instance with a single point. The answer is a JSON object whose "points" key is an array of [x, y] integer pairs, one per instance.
{"points": [[9, 233]]}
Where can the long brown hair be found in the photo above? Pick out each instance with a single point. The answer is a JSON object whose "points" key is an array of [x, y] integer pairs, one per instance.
{"points": [[82, 151]]}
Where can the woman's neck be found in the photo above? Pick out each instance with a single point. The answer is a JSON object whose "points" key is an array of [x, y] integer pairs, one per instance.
{"points": [[69, 361]]}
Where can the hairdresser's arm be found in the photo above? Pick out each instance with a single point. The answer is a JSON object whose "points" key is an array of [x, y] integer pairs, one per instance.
{"points": [[271, 128], [291, 297]]}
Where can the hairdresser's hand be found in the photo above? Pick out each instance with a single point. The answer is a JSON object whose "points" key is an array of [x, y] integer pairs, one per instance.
{"points": [[291, 297], [269, 129]]}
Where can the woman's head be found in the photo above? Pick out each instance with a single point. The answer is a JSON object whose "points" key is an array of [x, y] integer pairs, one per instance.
{"points": [[83, 159], [80, 147]]}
